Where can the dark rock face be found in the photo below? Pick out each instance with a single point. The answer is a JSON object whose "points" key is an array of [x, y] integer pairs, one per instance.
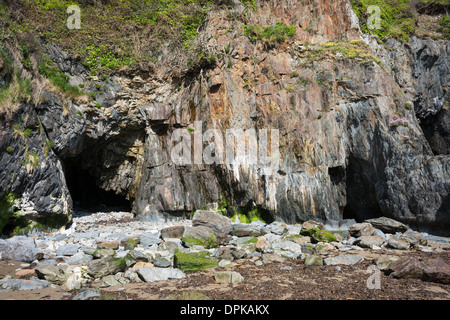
{"points": [[341, 153], [431, 71]]}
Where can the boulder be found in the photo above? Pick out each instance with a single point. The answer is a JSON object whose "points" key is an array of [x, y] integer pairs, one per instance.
{"points": [[370, 241], [387, 225], [406, 268], [398, 243], [220, 225], [76, 279], [246, 230], [105, 266], [436, 270], [54, 274], [318, 235], [21, 250], [148, 239], [172, 232], [287, 249], [194, 261], [414, 238], [200, 235], [276, 228], [361, 229], [21, 284]]}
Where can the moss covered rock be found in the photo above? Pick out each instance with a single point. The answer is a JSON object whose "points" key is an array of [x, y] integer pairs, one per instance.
{"points": [[195, 261], [200, 235], [318, 235]]}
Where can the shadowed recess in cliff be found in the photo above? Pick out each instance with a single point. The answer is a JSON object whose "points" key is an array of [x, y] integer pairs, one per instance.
{"points": [[87, 196]]}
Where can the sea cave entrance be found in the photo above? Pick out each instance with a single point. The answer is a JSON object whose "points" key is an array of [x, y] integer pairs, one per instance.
{"points": [[87, 195]]}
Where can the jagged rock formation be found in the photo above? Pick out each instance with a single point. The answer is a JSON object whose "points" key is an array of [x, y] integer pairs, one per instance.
{"points": [[350, 144]]}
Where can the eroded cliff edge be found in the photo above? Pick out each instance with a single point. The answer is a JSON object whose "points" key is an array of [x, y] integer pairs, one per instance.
{"points": [[363, 124]]}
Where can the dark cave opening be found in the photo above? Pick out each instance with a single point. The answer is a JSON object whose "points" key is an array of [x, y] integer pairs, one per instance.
{"points": [[348, 213], [86, 194]]}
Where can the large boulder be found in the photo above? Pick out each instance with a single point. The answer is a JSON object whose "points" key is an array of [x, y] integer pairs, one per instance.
{"points": [[21, 249], [200, 235], [361, 229], [434, 270], [99, 268], [219, 224], [387, 225], [370, 241]]}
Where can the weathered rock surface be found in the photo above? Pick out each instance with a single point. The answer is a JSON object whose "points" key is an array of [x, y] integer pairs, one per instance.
{"points": [[347, 259], [387, 225], [361, 229], [220, 225]]}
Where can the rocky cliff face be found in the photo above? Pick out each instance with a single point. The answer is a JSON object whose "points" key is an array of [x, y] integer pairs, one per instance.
{"points": [[350, 142]]}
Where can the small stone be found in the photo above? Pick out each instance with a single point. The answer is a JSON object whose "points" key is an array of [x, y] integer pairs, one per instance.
{"points": [[129, 243], [263, 245], [24, 273], [67, 250], [246, 230], [114, 245], [224, 263], [161, 262], [141, 264], [272, 257], [102, 253], [228, 277], [313, 224], [150, 274], [88, 294], [137, 255], [79, 258], [312, 260], [348, 259]]}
